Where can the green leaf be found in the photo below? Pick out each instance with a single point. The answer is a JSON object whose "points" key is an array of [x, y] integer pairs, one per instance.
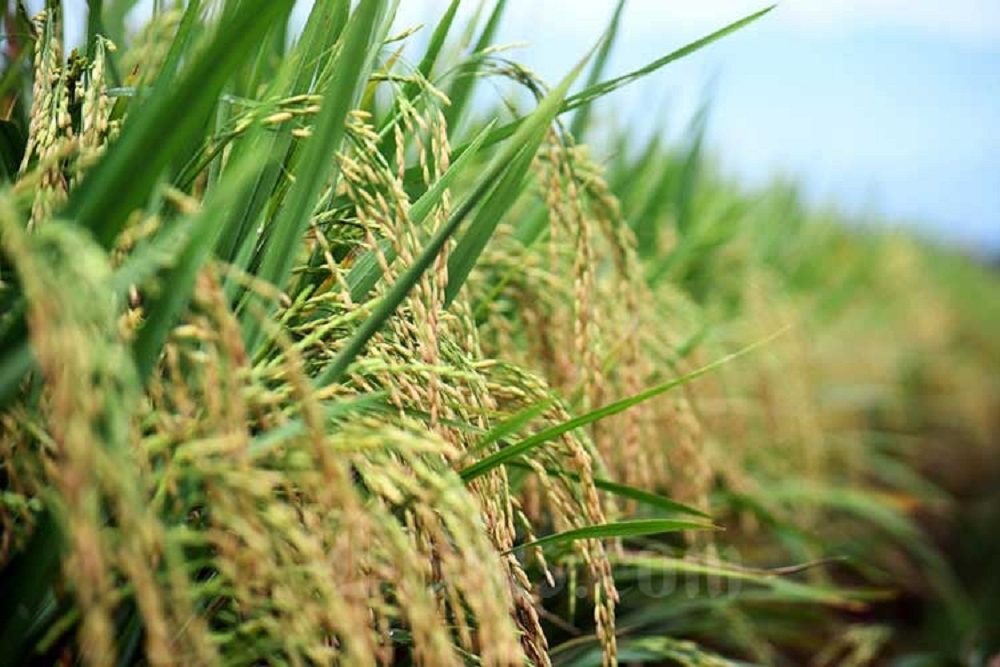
{"points": [[582, 116], [426, 67], [872, 509], [645, 218], [619, 529], [350, 73], [465, 255], [298, 74], [596, 91], [790, 590], [624, 491], [461, 89], [639, 650], [14, 365], [295, 428], [413, 89], [511, 425], [114, 16], [26, 582], [521, 448], [690, 172], [181, 43]]}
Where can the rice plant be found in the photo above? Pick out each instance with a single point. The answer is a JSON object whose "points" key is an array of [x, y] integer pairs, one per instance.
{"points": [[310, 355]]}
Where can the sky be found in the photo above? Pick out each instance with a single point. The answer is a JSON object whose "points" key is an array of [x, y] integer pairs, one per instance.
{"points": [[889, 107], [886, 108]]}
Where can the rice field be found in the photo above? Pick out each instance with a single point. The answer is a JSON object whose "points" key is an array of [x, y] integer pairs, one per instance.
{"points": [[313, 352]]}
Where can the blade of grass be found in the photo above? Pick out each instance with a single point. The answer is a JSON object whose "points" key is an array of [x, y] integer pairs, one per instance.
{"points": [[790, 590], [413, 89], [294, 428], [461, 89], [620, 529], [582, 116], [658, 650], [14, 365], [874, 510], [26, 582], [521, 448], [624, 491], [645, 221], [350, 73], [690, 171], [596, 91], [322, 29], [471, 246], [362, 38], [511, 425], [12, 143], [94, 10], [426, 67], [114, 16], [467, 252], [181, 43]]}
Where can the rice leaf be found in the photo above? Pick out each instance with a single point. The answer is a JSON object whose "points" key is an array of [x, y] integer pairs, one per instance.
{"points": [[26, 581], [301, 69], [624, 491], [182, 42], [12, 143], [413, 89], [599, 90], [461, 89], [433, 50], [620, 529], [350, 72], [638, 651], [788, 589], [295, 428], [342, 93], [15, 362], [582, 117], [466, 253], [507, 454], [511, 425]]}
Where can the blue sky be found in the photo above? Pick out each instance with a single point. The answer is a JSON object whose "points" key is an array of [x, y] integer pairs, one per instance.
{"points": [[877, 105]]}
